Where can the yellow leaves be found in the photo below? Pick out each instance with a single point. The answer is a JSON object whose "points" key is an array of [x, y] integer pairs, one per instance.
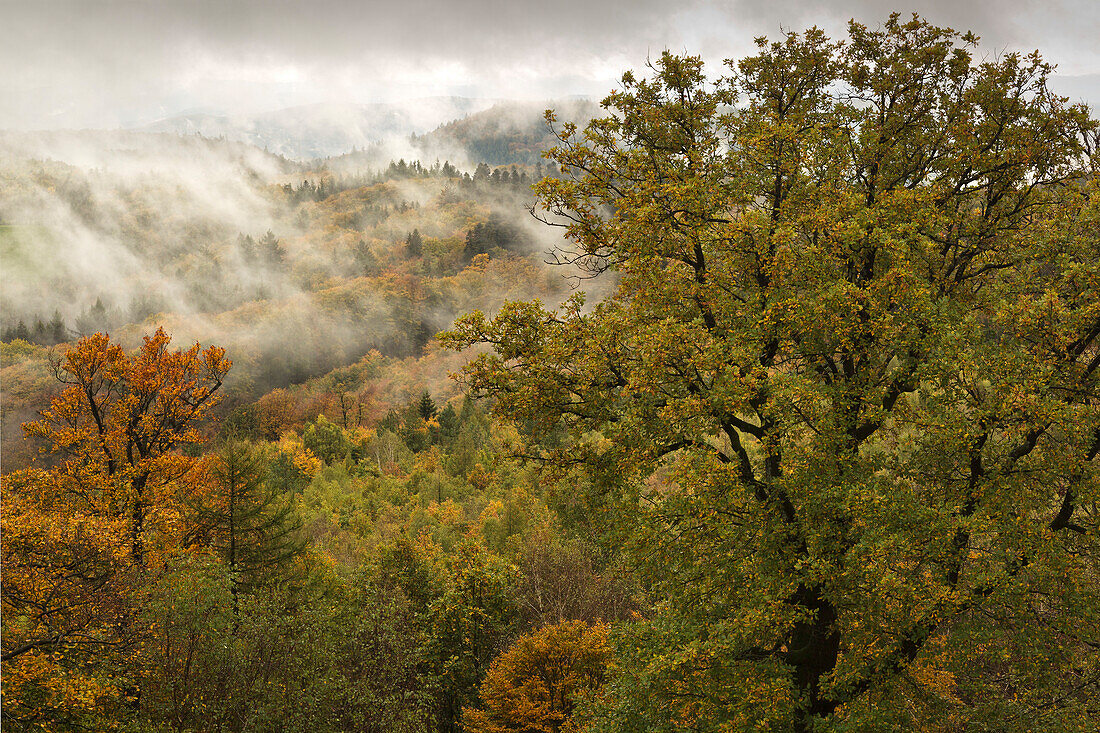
{"points": [[448, 513], [536, 683], [39, 681], [480, 263], [290, 444], [77, 536], [480, 476], [306, 462]]}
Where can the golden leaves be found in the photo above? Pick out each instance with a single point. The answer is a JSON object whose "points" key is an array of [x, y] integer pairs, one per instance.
{"points": [[536, 683]]}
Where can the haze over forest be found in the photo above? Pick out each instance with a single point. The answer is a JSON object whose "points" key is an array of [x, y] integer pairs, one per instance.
{"points": [[761, 394]]}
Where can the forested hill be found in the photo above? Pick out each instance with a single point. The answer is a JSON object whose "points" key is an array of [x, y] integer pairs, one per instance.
{"points": [[296, 268], [464, 131], [320, 484], [814, 448], [507, 133]]}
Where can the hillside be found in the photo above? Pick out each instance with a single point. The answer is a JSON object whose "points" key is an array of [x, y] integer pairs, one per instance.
{"points": [[507, 133], [295, 270]]}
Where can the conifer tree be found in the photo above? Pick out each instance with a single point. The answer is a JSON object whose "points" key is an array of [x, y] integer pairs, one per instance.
{"points": [[250, 524], [426, 406], [414, 244], [56, 328]]}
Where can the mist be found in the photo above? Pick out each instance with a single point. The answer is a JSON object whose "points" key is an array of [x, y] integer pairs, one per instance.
{"points": [[296, 267]]}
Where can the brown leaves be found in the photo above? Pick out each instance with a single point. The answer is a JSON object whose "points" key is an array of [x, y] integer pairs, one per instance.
{"points": [[121, 417]]}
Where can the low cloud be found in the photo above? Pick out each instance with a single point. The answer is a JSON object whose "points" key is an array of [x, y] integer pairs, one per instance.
{"points": [[78, 63]]}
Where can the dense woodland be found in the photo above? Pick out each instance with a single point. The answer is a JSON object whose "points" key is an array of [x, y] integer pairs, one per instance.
{"points": [[813, 447]]}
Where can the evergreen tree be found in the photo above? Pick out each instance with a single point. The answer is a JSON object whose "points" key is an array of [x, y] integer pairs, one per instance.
{"points": [[414, 244], [251, 525], [247, 246], [40, 334], [391, 422], [426, 406], [414, 430], [365, 261], [495, 233], [271, 249], [56, 327], [448, 424]]}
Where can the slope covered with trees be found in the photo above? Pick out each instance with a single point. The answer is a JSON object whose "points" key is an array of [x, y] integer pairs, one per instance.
{"points": [[824, 458]]}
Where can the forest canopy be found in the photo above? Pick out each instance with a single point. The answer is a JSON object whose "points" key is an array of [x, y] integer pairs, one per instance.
{"points": [[822, 457]]}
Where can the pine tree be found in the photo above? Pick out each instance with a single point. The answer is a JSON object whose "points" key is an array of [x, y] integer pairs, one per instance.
{"points": [[56, 326], [271, 250], [448, 424], [426, 406], [365, 261]]}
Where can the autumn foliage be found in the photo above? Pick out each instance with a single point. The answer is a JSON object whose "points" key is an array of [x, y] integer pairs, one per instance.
{"points": [[535, 685], [77, 535], [843, 407], [825, 455]]}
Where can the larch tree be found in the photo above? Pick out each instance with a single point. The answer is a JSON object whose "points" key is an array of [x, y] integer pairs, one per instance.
{"points": [[842, 407]]}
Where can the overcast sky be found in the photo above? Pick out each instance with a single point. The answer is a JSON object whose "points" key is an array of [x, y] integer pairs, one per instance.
{"points": [[94, 63]]}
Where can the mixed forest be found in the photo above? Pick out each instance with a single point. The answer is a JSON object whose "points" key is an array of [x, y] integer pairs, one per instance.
{"points": [[762, 401]]}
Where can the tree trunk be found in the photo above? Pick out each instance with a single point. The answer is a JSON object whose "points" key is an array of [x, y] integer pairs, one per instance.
{"points": [[813, 649], [137, 526]]}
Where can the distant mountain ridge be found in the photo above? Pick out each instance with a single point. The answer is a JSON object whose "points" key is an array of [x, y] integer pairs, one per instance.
{"points": [[507, 133], [324, 130], [342, 137]]}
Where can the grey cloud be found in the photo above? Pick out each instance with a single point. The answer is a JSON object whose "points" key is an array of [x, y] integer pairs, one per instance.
{"points": [[137, 37], [101, 63], [1065, 30]]}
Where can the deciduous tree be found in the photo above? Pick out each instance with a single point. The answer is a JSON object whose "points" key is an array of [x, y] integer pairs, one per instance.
{"points": [[844, 400], [535, 684], [76, 536], [119, 420]]}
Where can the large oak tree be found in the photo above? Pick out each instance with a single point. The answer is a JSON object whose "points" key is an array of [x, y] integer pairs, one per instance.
{"points": [[843, 402]]}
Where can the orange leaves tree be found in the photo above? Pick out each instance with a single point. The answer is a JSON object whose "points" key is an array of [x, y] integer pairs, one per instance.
{"points": [[536, 683], [76, 535], [121, 418], [843, 405]]}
